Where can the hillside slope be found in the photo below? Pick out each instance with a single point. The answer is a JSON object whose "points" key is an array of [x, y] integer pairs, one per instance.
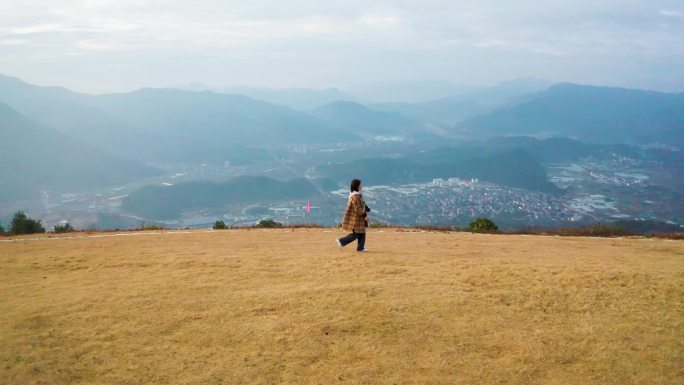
{"points": [[166, 202], [160, 125], [589, 113], [218, 118], [514, 168], [287, 307], [359, 119], [34, 157]]}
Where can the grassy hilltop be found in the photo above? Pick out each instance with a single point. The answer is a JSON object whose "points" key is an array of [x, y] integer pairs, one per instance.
{"points": [[284, 306]]}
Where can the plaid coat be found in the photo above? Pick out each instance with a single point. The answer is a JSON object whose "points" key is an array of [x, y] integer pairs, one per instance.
{"points": [[355, 215]]}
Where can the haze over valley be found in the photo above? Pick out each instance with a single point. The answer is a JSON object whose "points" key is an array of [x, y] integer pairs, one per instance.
{"points": [[181, 114], [526, 152]]}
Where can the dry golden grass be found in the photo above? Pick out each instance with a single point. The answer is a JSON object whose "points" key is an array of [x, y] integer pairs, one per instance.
{"points": [[283, 306]]}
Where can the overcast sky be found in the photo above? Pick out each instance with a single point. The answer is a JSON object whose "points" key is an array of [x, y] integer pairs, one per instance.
{"points": [[102, 45]]}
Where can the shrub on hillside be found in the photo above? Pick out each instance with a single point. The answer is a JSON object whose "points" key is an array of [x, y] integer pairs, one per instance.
{"points": [[269, 223], [21, 224], [304, 226], [151, 226], [438, 228], [483, 225], [375, 224], [65, 228], [595, 230], [219, 225], [592, 230]]}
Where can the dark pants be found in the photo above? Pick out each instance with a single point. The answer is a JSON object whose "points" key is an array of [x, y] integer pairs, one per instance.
{"points": [[352, 237]]}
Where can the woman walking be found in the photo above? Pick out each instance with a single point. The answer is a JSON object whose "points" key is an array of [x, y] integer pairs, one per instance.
{"points": [[355, 218]]}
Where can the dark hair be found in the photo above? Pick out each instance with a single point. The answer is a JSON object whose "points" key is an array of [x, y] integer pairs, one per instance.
{"points": [[355, 185]]}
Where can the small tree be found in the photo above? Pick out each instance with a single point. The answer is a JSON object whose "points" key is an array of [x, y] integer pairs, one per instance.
{"points": [[269, 223], [21, 224], [483, 225], [219, 225], [65, 228], [2, 229]]}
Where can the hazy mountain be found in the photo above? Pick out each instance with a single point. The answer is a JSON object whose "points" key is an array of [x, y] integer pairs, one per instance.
{"points": [[409, 91], [68, 112], [504, 92], [35, 157], [167, 202], [166, 124], [196, 87], [444, 111], [514, 168], [76, 115], [589, 113], [298, 98], [359, 119], [458, 107], [17, 90], [560, 149], [219, 118]]}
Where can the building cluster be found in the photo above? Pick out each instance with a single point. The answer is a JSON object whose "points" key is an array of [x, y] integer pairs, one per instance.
{"points": [[455, 201], [619, 172]]}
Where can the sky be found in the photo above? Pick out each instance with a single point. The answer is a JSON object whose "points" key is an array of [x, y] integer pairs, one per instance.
{"points": [[119, 45]]}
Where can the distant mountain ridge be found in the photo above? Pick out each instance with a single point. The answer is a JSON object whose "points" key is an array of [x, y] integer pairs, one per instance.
{"points": [[34, 158], [298, 98], [445, 111], [505, 92], [589, 113], [363, 121], [454, 108], [225, 118], [553, 150], [151, 124], [158, 124], [408, 91]]}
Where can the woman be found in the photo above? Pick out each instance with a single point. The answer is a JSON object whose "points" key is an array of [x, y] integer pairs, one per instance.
{"points": [[355, 218]]}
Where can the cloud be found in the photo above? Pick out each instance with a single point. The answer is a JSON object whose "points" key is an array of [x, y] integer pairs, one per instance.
{"points": [[327, 42], [671, 13], [99, 45], [381, 21], [39, 28], [13, 42]]}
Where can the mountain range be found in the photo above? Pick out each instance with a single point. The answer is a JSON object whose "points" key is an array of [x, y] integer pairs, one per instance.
{"points": [[166, 124], [408, 91], [456, 107], [588, 113], [365, 122], [34, 158], [297, 98], [218, 118], [104, 139], [153, 123]]}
